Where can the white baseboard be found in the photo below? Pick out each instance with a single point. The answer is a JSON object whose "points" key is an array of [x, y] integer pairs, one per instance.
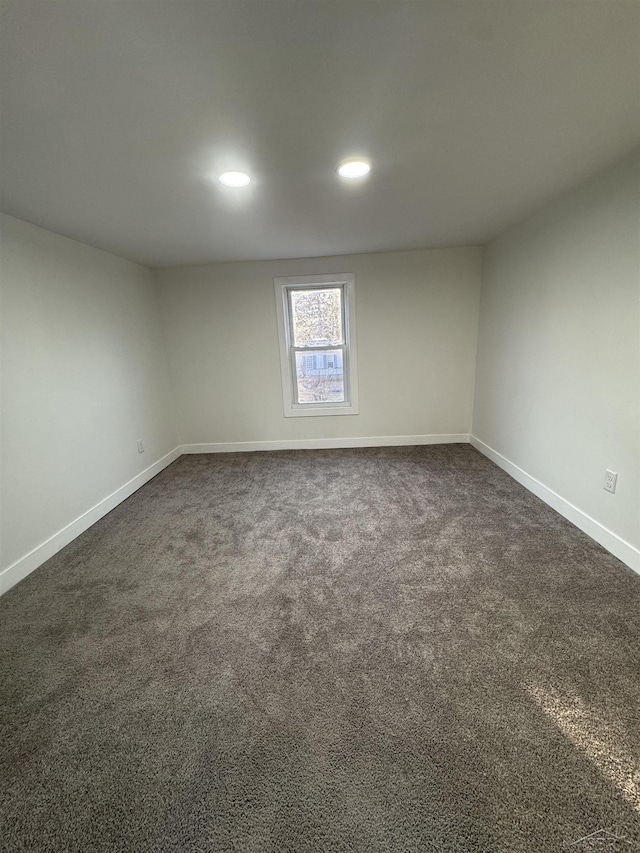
{"points": [[619, 547], [27, 564], [623, 550], [325, 443]]}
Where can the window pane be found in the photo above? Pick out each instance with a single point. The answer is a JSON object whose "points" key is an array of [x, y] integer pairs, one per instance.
{"points": [[319, 377], [317, 317]]}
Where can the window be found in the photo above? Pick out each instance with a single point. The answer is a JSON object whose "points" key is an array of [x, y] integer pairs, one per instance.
{"points": [[316, 325]]}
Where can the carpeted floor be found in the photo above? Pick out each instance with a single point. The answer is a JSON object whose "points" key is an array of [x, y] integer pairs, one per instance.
{"points": [[389, 649]]}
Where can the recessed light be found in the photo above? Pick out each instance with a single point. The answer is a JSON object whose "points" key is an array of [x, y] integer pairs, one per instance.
{"points": [[234, 179], [354, 169]]}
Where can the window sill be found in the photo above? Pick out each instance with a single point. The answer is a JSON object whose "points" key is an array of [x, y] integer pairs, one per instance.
{"points": [[319, 411]]}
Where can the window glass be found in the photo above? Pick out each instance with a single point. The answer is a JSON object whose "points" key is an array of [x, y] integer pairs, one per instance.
{"points": [[316, 316], [316, 381]]}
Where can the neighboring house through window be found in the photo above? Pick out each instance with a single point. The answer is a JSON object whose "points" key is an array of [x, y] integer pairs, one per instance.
{"points": [[316, 326]]}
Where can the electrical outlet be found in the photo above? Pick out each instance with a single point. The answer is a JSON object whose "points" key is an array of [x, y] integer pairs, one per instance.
{"points": [[140, 446], [610, 480]]}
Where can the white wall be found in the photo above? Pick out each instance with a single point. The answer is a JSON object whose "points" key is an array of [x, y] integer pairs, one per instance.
{"points": [[416, 332], [558, 374], [84, 375]]}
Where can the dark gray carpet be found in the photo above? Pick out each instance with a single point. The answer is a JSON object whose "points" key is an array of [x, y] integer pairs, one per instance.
{"points": [[394, 649]]}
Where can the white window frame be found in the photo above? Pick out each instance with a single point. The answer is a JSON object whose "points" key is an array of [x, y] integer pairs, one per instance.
{"points": [[283, 286]]}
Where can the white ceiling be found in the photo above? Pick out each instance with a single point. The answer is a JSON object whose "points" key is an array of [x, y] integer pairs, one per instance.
{"points": [[116, 116]]}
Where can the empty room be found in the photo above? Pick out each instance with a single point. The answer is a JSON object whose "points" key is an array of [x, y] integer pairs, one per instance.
{"points": [[320, 426]]}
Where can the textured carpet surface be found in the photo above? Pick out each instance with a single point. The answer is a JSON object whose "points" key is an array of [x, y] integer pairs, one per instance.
{"points": [[389, 649]]}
